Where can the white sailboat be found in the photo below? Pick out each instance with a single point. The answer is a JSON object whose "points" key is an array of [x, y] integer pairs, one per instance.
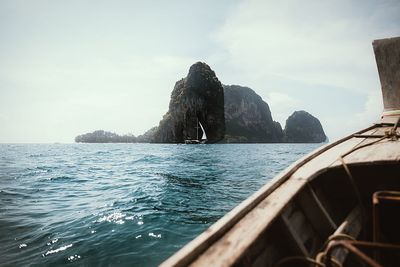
{"points": [[204, 136], [197, 140]]}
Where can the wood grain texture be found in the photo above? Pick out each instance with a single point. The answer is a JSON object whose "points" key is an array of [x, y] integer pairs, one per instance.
{"points": [[227, 250]]}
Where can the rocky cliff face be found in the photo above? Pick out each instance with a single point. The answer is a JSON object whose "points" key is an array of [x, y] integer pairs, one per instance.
{"points": [[302, 127], [248, 118], [197, 98]]}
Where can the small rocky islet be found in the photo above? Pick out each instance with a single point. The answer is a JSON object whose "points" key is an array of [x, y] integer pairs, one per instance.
{"points": [[228, 113]]}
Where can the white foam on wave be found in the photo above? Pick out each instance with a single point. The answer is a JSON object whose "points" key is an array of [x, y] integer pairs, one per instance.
{"points": [[58, 250], [154, 235], [116, 217]]}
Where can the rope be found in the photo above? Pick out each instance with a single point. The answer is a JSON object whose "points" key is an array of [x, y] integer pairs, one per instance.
{"points": [[397, 124], [355, 187], [393, 132], [389, 134], [321, 256], [365, 145], [337, 237]]}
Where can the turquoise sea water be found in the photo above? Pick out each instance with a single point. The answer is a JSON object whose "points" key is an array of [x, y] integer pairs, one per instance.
{"points": [[122, 204]]}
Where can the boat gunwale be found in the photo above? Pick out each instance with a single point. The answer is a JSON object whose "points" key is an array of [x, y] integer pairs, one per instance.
{"points": [[287, 200], [188, 253]]}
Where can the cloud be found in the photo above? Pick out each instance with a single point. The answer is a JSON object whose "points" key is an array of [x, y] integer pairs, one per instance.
{"points": [[337, 127], [315, 42], [103, 93], [281, 105], [281, 101], [373, 108], [316, 52]]}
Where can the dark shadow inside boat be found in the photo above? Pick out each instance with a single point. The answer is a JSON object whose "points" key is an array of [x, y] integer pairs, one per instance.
{"points": [[327, 210]]}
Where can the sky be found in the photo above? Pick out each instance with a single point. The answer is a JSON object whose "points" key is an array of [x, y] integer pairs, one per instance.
{"points": [[72, 67]]}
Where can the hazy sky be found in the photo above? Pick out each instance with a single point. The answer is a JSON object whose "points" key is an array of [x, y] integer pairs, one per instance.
{"points": [[71, 67]]}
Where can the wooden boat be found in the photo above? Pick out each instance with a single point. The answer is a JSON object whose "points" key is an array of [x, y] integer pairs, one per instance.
{"points": [[338, 206]]}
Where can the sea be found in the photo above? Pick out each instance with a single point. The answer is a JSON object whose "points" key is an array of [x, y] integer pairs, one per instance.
{"points": [[123, 204]]}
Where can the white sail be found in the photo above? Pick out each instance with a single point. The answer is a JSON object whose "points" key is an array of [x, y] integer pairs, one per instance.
{"points": [[204, 137]]}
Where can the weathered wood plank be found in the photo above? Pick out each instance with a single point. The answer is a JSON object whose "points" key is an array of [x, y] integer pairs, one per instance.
{"points": [[227, 250], [385, 150], [301, 228], [387, 55], [326, 159], [351, 226], [316, 213], [295, 235]]}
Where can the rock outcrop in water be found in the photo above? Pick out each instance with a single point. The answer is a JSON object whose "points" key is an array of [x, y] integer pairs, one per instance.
{"points": [[248, 118], [197, 98], [302, 127]]}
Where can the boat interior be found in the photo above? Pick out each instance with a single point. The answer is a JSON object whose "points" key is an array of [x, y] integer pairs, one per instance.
{"points": [[333, 222]]}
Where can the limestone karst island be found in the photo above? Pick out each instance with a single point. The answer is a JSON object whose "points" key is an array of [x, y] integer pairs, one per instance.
{"points": [[203, 110]]}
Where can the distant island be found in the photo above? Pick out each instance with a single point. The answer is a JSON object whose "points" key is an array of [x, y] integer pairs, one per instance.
{"points": [[228, 114], [101, 136]]}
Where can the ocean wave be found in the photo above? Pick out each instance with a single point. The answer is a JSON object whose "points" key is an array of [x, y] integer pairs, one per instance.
{"points": [[122, 205]]}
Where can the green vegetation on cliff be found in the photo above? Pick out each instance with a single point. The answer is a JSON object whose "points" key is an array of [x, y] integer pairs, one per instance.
{"points": [[248, 118], [302, 127]]}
